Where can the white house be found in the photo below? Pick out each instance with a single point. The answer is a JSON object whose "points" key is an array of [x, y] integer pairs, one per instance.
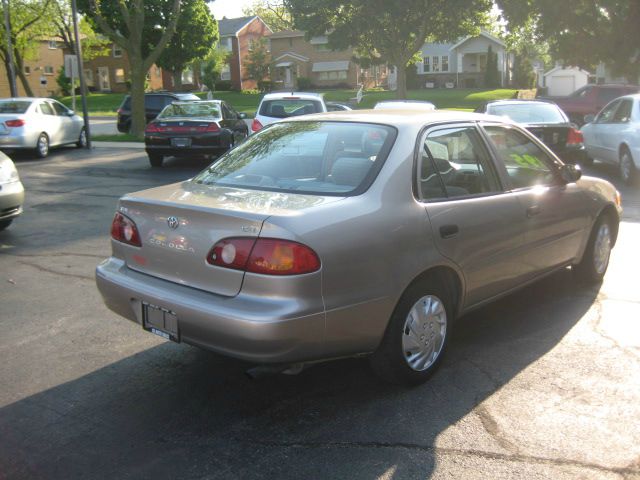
{"points": [[561, 81], [463, 63]]}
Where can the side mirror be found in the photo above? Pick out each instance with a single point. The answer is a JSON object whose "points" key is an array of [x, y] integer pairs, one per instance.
{"points": [[570, 173], [242, 115], [71, 113], [589, 118]]}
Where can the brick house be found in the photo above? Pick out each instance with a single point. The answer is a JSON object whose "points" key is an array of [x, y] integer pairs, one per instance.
{"points": [[110, 73], [236, 36], [41, 73], [294, 57]]}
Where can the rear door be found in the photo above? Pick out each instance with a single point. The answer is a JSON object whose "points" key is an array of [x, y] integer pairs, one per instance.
{"points": [[554, 213], [475, 223]]}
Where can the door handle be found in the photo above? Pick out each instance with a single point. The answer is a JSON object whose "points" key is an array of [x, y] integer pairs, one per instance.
{"points": [[533, 211], [449, 231]]}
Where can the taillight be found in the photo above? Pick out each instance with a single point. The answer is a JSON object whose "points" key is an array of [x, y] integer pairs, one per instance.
{"points": [[124, 230], [212, 127], [15, 123], [256, 125], [574, 137], [152, 128], [268, 256]]}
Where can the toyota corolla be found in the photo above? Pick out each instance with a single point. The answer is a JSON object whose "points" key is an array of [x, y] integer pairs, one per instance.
{"points": [[354, 233]]}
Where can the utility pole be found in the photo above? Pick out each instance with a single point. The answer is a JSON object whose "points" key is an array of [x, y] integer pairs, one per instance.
{"points": [[83, 85], [12, 70]]}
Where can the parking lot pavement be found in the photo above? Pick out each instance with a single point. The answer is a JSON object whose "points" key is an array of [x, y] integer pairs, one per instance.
{"points": [[542, 384]]}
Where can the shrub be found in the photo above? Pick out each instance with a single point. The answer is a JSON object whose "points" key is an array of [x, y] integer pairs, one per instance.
{"points": [[64, 83], [223, 85], [304, 83], [250, 91], [265, 85]]}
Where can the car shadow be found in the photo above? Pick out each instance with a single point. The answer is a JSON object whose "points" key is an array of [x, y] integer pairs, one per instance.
{"points": [[173, 411]]}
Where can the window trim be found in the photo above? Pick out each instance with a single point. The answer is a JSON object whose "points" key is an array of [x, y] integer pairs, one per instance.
{"points": [[424, 132], [553, 162]]}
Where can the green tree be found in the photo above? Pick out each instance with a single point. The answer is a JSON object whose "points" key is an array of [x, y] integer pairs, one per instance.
{"points": [[585, 32], [393, 30], [491, 75], [27, 25], [142, 28], [211, 66], [275, 13], [258, 60], [527, 46], [196, 33]]}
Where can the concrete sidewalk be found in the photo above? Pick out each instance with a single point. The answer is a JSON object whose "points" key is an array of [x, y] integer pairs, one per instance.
{"points": [[117, 144]]}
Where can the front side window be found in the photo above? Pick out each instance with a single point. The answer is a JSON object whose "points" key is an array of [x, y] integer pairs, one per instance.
{"points": [[60, 109], [316, 158], [526, 163], [623, 113], [606, 114], [454, 163]]}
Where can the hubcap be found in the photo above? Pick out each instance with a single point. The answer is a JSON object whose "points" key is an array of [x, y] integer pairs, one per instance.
{"points": [[602, 249], [424, 332], [43, 145]]}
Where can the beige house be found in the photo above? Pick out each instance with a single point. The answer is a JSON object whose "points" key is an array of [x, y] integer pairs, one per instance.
{"points": [[41, 73], [294, 57]]}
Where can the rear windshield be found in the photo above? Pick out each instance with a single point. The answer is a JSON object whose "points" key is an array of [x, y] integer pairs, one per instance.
{"points": [[194, 110], [14, 106], [321, 158], [289, 107], [529, 112]]}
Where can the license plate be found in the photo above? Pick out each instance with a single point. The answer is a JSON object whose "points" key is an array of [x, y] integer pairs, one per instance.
{"points": [[181, 142], [160, 321]]}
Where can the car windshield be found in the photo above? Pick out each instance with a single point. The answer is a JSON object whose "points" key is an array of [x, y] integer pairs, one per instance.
{"points": [[317, 158], [529, 112], [289, 107], [195, 110], [14, 106]]}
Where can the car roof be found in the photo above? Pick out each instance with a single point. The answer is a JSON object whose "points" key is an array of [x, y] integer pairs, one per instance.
{"points": [[301, 95], [520, 101], [197, 102], [25, 99], [400, 117]]}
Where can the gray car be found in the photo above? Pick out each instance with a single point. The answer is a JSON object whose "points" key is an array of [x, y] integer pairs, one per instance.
{"points": [[36, 124], [354, 233], [11, 192]]}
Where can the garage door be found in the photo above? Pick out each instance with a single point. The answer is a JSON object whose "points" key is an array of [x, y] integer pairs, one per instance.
{"points": [[562, 85]]}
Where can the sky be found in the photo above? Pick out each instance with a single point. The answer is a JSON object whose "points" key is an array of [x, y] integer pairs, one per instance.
{"points": [[228, 8]]}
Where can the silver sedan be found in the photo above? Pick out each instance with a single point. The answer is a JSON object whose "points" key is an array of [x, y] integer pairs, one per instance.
{"points": [[37, 124], [354, 233]]}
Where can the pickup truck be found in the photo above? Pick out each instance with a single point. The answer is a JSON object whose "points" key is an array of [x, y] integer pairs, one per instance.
{"points": [[590, 99]]}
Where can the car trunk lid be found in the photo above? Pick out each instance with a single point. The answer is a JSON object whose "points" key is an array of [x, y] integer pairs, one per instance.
{"points": [[179, 224], [554, 136]]}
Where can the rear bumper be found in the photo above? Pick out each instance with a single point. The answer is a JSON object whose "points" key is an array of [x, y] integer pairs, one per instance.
{"points": [[258, 329], [572, 154], [11, 200], [25, 140], [185, 151]]}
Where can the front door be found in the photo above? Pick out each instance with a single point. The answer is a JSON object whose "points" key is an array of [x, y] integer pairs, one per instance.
{"points": [[103, 79], [475, 223], [288, 78], [552, 211]]}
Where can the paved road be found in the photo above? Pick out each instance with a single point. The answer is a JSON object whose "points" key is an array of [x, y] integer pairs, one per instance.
{"points": [[543, 384]]}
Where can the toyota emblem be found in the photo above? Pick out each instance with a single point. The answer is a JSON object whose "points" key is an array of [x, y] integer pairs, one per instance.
{"points": [[173, 222]]}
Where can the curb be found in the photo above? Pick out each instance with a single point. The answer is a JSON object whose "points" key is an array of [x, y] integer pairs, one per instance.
{"points": [[98, 144]]}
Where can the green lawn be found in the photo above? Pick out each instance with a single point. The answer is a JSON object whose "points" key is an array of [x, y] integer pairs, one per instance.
{"points": [[460, 99]]}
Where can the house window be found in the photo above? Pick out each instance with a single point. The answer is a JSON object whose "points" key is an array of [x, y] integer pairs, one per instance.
{"points": [[338, 75], [225, 73], [27, 69], [426, 64], [445, 63], [436, 64], [48, 70], [117, 51], [88, 76], [53, 45], [119, 75]]}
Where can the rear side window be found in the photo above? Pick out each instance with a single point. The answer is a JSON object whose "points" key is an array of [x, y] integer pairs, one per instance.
{"points": [[321, 158], [155, 102], [289, 107], [526, 163], [47, 109], [454, 163]]}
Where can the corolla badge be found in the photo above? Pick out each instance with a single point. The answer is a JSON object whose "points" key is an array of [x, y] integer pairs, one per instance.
{"points": [[173, 222]]}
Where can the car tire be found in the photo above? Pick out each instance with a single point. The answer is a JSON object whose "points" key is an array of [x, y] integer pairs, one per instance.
{"points": [[5, 223], [42, 145], [155, 160], [628, 172], [417, 335], [595, 260], [82, 139]]}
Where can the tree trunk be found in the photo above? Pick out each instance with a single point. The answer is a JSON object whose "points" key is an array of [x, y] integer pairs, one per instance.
{"points": [[19, 67], [177, 80], [138, 118], [401, 90]]}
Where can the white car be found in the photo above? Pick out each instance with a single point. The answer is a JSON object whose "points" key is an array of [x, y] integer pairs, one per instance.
{"points": [[11, 192], [420, 105], [37, 124], [276, 106], [613, 136]]}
